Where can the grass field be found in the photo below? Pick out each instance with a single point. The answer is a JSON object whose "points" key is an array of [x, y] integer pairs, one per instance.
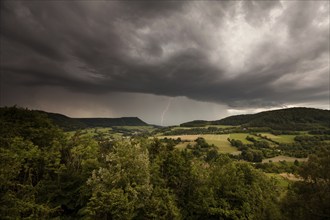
{"points": [[222, 126], [218, 140], [261, 139], [205, 126], [139, 128], [183, 137], [280, 138], [111, 132], [90, 131], [183, 128], [241, 137], [286, 138], [221, 142], [283, 158]]}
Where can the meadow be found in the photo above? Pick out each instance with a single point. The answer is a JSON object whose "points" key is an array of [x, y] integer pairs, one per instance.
{"points": [[220, 141], [241, 137], [285, 139], [283, 158]]}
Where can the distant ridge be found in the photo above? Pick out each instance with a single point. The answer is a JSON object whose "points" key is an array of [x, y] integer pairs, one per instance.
{"points": [[286, 119], [68, 124], [65, 122], [108, 122]]}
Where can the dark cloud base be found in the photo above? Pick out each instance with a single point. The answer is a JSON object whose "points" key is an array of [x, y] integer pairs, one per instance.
{"points": [[243, 54]]}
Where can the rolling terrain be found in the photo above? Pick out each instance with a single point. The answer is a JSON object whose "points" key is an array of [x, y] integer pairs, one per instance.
{"points": [[190, 172], [283, 119]]}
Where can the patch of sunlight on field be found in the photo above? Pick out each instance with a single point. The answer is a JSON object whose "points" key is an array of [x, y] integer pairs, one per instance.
{"points": [[140, 128], [183, 137], [182, 128], [91, 132], [241, 137], [284, 158], [286, 138], [222, 126], [205, 126], [280, 138], [220, 141]]}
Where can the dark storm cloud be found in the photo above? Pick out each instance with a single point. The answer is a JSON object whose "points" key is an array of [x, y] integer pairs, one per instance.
{"points": [[243, 54]]}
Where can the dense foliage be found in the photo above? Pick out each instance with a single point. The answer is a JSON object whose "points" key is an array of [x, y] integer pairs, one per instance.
{"points": [[293, 119], [69, 124], [310, 198], [46, 174]]}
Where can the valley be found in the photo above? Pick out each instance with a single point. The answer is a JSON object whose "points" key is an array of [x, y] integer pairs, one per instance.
{"points": [[190, 171]]}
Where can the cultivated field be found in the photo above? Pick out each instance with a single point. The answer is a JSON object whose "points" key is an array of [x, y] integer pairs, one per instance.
{"points": [[241, 137], [91, 131], [284, 158], [140, 128], [219, 141], [280, 138]]}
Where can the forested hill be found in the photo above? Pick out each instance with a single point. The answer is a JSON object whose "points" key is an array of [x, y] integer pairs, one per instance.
{"points": [[68, 124], [65, 122], [108, 122], [285, 119]]}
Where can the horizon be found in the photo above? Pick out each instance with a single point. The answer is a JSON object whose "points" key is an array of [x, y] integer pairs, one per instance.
{"points": [[96, 117], [164, 62]]}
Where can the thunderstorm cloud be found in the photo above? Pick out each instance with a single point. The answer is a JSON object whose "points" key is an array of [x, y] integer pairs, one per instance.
{"points": [[239, 54]]}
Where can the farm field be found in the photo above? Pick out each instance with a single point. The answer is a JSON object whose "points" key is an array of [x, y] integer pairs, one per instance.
{"points": [[218, 140], [284, 158], [114, 132], [140, 128], [241, 137], [262, 139], [221, 126], [91, 132], [285, 139], [178, 128]]}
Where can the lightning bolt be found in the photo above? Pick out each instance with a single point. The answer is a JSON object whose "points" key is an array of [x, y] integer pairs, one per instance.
{"points": [[165, 110]]}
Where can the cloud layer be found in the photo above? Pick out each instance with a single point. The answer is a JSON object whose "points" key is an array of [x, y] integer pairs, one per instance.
{"points": [[242, 54]]}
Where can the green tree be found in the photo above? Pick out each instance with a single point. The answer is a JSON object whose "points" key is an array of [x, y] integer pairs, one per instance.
{"points": [[120, 189], [80, 156], [161, 205], [242, 192], [310, 198], [30, 162]]}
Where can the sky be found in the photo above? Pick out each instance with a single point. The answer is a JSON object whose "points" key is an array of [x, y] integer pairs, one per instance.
{"points": [[166, 62]]}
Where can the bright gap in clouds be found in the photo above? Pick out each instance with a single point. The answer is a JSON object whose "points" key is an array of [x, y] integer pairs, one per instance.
{"points": [[125, 58]]}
